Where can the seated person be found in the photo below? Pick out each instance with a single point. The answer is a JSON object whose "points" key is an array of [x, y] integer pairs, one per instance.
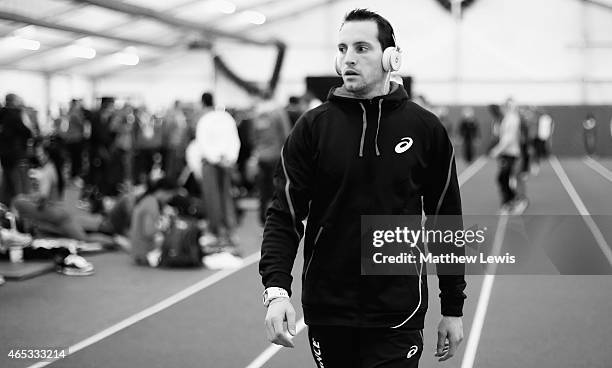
{"points": [[117, 221], [145, 233], [63, 253], [43, 209]]}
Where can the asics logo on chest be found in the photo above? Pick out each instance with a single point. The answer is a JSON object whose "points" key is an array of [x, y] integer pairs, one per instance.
{"points": [[404, 144]]}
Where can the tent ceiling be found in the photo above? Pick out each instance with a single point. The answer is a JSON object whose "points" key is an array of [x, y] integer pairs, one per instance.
{"points": [[110, 32], [98, 25]]}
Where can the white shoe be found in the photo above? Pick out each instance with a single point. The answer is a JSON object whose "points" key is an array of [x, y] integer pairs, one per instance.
{"points": [[75, 265], [220, 261], [520, 206], [154, 257], [505, 210]]}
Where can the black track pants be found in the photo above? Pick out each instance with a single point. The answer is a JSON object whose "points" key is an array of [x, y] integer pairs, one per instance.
{"points": [[349, 347]]}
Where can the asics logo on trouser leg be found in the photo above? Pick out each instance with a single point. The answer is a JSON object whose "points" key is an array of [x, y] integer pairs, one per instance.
{"points": [[316, 350]]}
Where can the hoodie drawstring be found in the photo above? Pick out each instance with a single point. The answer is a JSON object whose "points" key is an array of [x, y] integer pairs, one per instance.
{"points": [[363, 130], [378, 126], [365, 126]]}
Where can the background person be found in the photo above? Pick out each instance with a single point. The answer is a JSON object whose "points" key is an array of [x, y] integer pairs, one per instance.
{"points": [[541, 142], [271, 126], [507, 151], [215, 148], [14, 138], [145, 230], [589, 134], [469, 132]]}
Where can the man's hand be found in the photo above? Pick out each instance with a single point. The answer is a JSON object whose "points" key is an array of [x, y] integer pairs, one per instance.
{"points": [[450, 335], [279, 319]]}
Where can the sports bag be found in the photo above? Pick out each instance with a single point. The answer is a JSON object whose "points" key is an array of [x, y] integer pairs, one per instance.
{"points": [[181, 247]]}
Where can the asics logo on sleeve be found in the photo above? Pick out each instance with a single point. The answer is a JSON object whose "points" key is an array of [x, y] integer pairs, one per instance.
{"points": [[404, 144], [413, 350]]}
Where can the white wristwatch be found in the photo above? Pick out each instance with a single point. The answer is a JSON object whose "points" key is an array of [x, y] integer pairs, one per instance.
{"points": [[272, 293]]}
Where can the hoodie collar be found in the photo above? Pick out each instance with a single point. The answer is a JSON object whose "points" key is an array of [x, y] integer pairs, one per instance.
{"points": [[395, 97]]}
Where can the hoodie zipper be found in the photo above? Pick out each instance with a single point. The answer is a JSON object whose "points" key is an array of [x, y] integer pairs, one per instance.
{"points": [[314, 249], [378, 126], [365, 126], [363, 129]]}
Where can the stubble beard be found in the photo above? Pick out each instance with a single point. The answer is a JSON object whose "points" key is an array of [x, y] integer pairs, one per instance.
{"points": [[357, 88]]}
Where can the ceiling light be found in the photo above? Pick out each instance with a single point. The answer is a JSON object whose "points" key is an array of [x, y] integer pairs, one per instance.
{"points": [[127, 58], [225, 7], [26, 32], [83, 52], [254, 17], [23, 43]]}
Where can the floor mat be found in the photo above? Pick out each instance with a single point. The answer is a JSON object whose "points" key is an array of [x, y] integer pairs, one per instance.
{"points": [[25, 270]]}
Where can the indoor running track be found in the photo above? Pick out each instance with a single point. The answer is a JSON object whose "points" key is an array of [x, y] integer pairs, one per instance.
{"points": [[126, 316]]}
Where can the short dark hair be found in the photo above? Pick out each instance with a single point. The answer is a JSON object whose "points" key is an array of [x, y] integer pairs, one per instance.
{"points": [[385, 30], [163, 183], [10, 99], [207, 99]]}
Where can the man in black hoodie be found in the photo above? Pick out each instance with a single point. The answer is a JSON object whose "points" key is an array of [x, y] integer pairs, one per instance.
{"points": [[14, 136], [366, 151]]}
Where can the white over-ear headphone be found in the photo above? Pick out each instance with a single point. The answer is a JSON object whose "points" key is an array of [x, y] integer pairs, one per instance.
{"points": [[391, 59]]}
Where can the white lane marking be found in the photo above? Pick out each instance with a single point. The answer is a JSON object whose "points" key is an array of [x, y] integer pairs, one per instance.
{"points": [[602, 170], [168, 302], [267, 354], [483, 300], [471, 170], [487, 285], [273, 348], [586, 216]]}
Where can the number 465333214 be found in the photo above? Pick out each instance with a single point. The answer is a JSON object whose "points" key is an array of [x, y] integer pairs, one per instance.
{"points": [[48, 353]]}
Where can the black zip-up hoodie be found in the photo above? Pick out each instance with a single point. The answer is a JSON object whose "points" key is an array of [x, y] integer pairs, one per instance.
{"points": [[342, 160]]}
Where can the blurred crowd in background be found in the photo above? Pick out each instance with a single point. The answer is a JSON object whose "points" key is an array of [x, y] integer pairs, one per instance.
{"points": [[127, 166], [140, 173]]}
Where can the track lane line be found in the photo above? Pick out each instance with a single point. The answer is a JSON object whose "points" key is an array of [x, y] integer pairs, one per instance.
{"points": [[273, 348], [602, 170], [471, 170], [481, 309], [485, 295], [586, 216], [267, 354], [158, 307]]}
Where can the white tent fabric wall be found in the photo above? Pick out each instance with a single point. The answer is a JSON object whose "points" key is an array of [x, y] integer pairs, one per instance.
{"points": [[532, 50], [522, 48], [40, 92], [30, 86], [183, 77]]}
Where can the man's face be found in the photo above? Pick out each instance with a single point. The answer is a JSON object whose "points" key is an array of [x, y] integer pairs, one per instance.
{"points": [[359, 58]]}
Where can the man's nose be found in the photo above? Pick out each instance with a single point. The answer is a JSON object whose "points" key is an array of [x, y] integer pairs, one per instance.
{"points": [[349, 58]]}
